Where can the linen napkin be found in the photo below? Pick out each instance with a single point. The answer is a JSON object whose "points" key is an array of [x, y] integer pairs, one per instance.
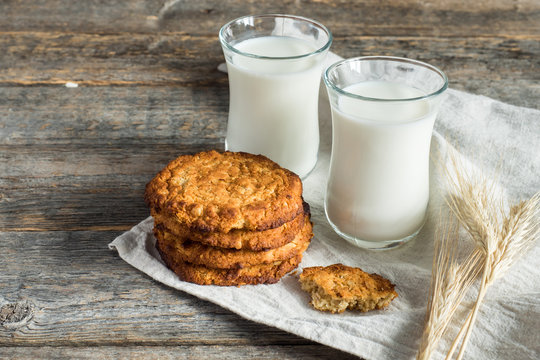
{"points": [[489, 135]]}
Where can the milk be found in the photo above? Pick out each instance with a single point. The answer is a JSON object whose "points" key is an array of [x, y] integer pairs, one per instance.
{"points": [[378, 187], [273, 102]]}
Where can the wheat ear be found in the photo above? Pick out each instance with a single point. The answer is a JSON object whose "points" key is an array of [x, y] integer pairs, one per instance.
{"points": [[517, 235], [503, 238], [450, 281]]}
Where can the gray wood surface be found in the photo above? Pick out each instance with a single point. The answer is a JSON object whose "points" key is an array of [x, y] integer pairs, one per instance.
{"points": [[74, 161]]}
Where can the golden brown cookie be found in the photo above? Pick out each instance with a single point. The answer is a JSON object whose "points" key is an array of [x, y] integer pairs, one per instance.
{"points": [[237, 238], [337, 287], [252, 275], [218, 192], [186, 250]]}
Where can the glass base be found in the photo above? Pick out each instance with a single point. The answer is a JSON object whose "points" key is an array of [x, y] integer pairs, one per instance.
{"points": [[376, 244]]}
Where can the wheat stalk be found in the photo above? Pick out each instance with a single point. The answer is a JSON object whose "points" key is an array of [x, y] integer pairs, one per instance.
{"points": [[450, 282], [502, 237], [516, 236]]}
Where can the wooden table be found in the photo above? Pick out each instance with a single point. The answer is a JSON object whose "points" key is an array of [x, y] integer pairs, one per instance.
{"points": [[74, 160]]}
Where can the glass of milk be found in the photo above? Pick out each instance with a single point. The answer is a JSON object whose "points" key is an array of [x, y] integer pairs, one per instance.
{"points": [[383, 111], [275, 64]]}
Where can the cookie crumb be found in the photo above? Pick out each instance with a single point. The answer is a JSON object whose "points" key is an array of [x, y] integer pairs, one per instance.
{"points": [[338, 287]]}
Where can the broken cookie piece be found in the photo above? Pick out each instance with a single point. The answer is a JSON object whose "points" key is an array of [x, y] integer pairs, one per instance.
{"points": [[337, 287]]}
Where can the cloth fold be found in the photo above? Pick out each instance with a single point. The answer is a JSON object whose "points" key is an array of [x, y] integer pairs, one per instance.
{"points": [[493, 136]]}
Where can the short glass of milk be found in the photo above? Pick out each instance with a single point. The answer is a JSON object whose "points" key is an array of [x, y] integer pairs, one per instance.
{"points": [[275, 63], [383, 111]]}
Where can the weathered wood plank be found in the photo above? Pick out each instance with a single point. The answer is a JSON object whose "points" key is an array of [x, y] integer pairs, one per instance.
{"points": [[76, 187], [126, 158], [82, 294], [503, 68], [33, 58], [71, 203], [370, 17], [113, 115], [506, 70], [180, 59], [238, 352], [78, 159]]}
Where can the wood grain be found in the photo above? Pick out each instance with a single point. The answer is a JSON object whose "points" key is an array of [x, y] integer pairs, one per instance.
{"points": [[240, 352], [76, 187], [74, 161], [34, 58], [83, 294], [204, 17], [161, 69], [112, 115]]}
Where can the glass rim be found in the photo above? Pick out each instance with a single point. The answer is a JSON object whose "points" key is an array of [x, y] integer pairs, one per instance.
{"points": [[397, 59], [325, 47]]}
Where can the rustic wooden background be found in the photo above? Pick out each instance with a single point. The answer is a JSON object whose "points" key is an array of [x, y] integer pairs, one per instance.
{"points": [[74, 161]]}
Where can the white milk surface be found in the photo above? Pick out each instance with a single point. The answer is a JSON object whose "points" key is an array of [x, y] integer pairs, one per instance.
{"points": [[273, 103], [378, 187]]}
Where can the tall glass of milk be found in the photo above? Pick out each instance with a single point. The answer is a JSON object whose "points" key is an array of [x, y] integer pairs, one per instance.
{"points": [[275, 65], [383, 111]]}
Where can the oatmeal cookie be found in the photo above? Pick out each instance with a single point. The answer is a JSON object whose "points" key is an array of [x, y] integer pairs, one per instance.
{"points": [[196, 253], [337, 287], [218, 192], [252, 275], [237, 238]]}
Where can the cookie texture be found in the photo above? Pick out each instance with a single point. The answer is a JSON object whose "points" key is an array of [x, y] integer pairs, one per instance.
{"points": [[237, 238], [337, 287], [194, 252], [229, 218], [221, 191], [252, 275]]}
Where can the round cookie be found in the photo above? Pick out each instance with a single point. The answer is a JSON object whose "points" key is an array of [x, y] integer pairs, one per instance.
{"points": [[252, 275], [237, 238], [218, 192], [186, 250]]}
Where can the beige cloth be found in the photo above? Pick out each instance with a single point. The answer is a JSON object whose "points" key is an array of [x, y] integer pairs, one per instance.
{"points": [[491, 135]]}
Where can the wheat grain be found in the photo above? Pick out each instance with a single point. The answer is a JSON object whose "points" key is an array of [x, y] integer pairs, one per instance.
{"points": [[502, 236]]}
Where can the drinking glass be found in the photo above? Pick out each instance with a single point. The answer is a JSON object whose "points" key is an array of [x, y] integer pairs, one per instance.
{"points": [[275, 64], [383, 112]]}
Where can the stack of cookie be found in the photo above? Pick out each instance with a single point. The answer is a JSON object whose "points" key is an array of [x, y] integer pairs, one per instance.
{"points": [[228, 218]]}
